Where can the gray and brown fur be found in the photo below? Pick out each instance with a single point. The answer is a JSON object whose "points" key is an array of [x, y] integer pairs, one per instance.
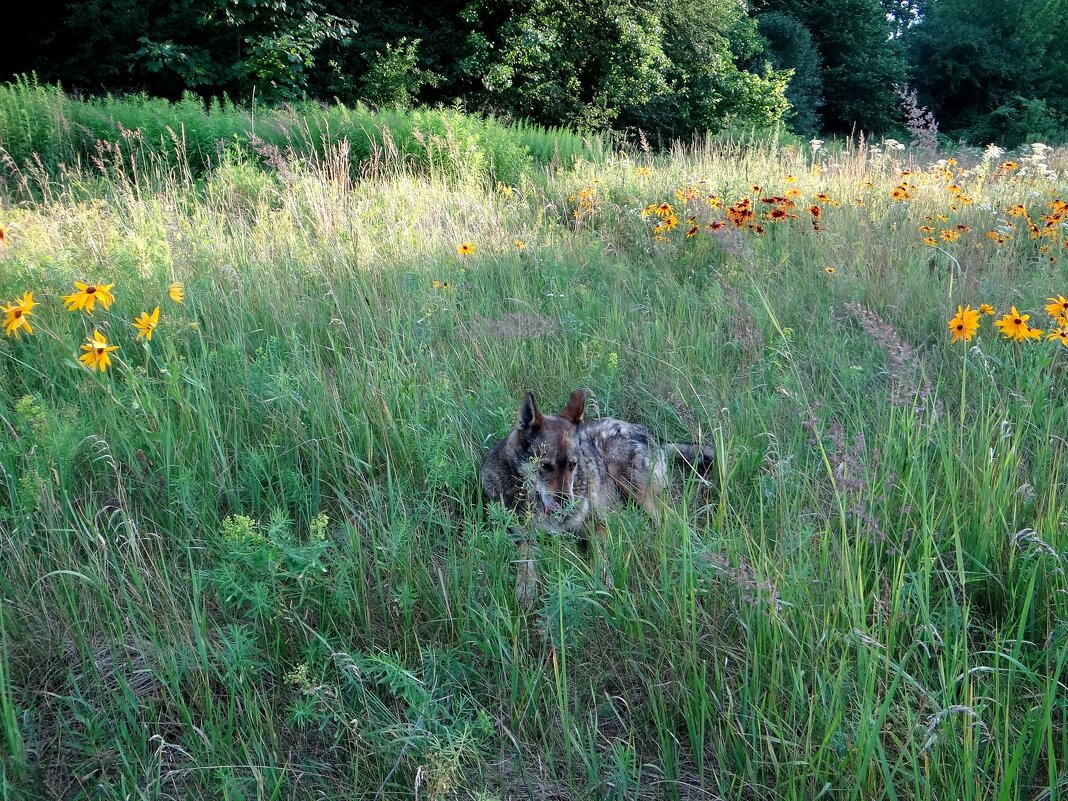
{"points": [[562, 471]]}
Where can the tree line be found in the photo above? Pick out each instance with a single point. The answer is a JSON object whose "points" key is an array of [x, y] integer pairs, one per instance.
{"points": [[987, 70]]}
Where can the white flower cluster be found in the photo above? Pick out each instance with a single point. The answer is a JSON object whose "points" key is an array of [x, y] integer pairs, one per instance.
{"points": [[1034, 164]]}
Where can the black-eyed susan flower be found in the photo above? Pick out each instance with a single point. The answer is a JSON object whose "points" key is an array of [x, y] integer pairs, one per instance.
{"points": [[997, 237], [1018, 210], [643, 172], [519, 244], [16, 316], [692, 232], [465, 248], [97, 352], [926, 229], [791, 179], [987, 309], [930, 241], [964, 324], [1061, 335], [146, 323], [815, 211], [949, 235], [1058, 309], [443, 285], [792, 194], [1007, 166], [900, 192], [1014, 325], [176, 292], [830, 270], [87, 296]]}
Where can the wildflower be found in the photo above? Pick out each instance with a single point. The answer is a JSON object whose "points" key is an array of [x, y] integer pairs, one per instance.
{"points": [[964, 200], [436, 284], [791, 179], [830, 270], [87, 296], [951, 162], [97, 352], [964, 324], [1008, 166], [643, 172], [1014, 325], [823, 197], [815, 211], [1058, 309], [954, 189], [716, 225], [146, 324], [926, 229], [1061, 335], [986, 308], [900, 192], [465, 248], [930, 241], [16, 316], [792, 194], [664, 210], [519, 244], [777, 215], [176, 292], [997, 237], [692, 232], [755, 189], [1019, 210]]}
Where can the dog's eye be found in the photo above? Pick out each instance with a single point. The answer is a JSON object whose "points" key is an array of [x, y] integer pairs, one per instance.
{"points": [[546, 469]]}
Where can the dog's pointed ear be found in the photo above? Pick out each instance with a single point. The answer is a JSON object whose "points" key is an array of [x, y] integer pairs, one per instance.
{"points": [[576, 406], [529, 419]]}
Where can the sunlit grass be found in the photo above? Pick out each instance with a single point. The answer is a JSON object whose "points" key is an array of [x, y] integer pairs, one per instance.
{"points": [[249, 559]]}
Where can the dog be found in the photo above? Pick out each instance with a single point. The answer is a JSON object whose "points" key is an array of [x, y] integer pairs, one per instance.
{"points": [[561, 472]]}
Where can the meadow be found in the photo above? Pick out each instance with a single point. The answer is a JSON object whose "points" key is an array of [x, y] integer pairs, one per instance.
{"points": [[246, 556]]}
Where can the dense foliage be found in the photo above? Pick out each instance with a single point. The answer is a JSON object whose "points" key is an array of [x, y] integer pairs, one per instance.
{"points": [[988, 71]]}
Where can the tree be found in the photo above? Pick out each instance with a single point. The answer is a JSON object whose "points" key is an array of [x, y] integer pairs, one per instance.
{"points": [[862, 61], [987, 67], [668, 67], [789, 46]]}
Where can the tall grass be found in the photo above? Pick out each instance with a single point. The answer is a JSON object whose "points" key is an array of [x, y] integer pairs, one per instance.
{"points": [[43, 129], [251, 559]]}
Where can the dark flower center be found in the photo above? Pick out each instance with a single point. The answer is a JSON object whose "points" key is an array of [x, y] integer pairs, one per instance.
{"points": [[1018, 321], [960, 326], [89, 290], [18, 313]]}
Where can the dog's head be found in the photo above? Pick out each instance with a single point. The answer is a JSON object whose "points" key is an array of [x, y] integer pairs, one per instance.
{"points": [[551, 444]]}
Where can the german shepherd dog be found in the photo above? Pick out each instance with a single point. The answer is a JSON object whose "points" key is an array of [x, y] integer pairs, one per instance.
{"points": [[562, 472]]}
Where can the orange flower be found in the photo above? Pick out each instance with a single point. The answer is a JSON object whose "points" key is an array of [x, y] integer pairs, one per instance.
{"points": [[87, 295], [97, 352], [964, 324], [1014, 325]]}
